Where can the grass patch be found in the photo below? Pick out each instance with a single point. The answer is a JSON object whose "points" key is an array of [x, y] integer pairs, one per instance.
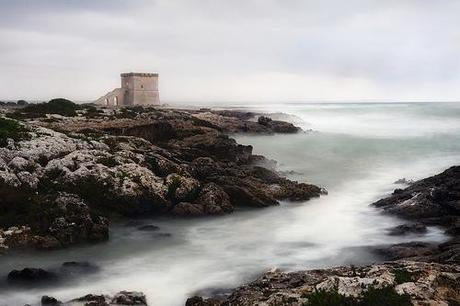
{"points": [[329, 298], [402, 276], [108, 161], [386, 296], [13, 130]]}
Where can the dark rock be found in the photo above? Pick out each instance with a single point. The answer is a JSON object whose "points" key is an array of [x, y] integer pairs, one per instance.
{"points": [[132, 163], [214, 200], [148, 228], [78, 267], [50, 301], [431, 201], [404, 229], [163, 235], [31, 276], [129, 298], [199, 301], [264, 120], [411, 250], [404, 181], [277, 126], [185, 209], [92, 300], [428, 284]]}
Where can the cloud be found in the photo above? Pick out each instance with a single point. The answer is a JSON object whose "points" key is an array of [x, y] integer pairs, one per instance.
{"points": [[216, 50]]}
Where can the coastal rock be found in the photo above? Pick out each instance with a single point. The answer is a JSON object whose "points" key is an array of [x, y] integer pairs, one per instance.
{"points": [[186, 209], [278, 126], [404, 229], [434, 200], [31, 276], [125, 298], [180, 188], [50, 301], [148, 228], [404, 282], [431, 201], [129, 298], [71, 174], [214, 200]]}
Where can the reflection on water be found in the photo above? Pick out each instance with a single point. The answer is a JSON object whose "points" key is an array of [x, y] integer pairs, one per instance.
{"points": [[357, 164]]}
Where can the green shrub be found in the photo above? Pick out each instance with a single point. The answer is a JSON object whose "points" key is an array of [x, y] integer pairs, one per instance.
{"points": [[402, 276], [322, 297], [108, 161], [58, 106], [11, 129], [386, 296]]}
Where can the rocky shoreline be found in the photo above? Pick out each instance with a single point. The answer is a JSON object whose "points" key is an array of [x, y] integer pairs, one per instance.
{"points": [[418, 273], [66, 177]]}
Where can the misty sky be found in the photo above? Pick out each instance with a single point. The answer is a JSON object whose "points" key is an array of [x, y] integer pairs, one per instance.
{"points": [[234, 50]]}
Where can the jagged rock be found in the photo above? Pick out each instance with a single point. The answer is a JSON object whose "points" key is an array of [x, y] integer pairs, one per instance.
{"points": [[182, 189], [422, 284], [158, 162], [203, 167], [125, 298], [214, 200], [50, 301], [129, 298], [431, 201]]}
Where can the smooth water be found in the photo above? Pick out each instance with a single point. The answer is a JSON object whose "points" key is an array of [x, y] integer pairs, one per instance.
{"points": [[356, 151]]}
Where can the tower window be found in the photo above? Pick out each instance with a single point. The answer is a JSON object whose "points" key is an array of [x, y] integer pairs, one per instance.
{"points": [[142, 86]]}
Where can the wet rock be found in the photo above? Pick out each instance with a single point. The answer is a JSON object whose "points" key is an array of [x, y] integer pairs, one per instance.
{"points": [[50, 301], [163, 235], [92, 300], [404, 229], [129, 298], [411, 250], [31, 276], [148, 228], [186, 209], [431, 201], [214, 200], [71, 268], [126, 298], [182, 189], [199, 301], [404, 181]]}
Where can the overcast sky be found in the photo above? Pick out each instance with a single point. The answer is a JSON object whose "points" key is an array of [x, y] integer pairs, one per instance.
{"points": [[233, 50]]}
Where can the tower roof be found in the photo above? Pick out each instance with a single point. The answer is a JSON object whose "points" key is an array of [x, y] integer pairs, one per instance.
{"points": [[139, 74]]}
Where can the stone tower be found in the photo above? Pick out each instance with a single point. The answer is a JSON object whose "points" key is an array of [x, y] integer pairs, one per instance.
{"points": [[136, 89]]}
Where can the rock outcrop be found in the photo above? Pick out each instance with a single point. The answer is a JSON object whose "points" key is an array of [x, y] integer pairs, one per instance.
{"points": [[431, 201], [385, 284], [62, 183], [122, 298]]}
